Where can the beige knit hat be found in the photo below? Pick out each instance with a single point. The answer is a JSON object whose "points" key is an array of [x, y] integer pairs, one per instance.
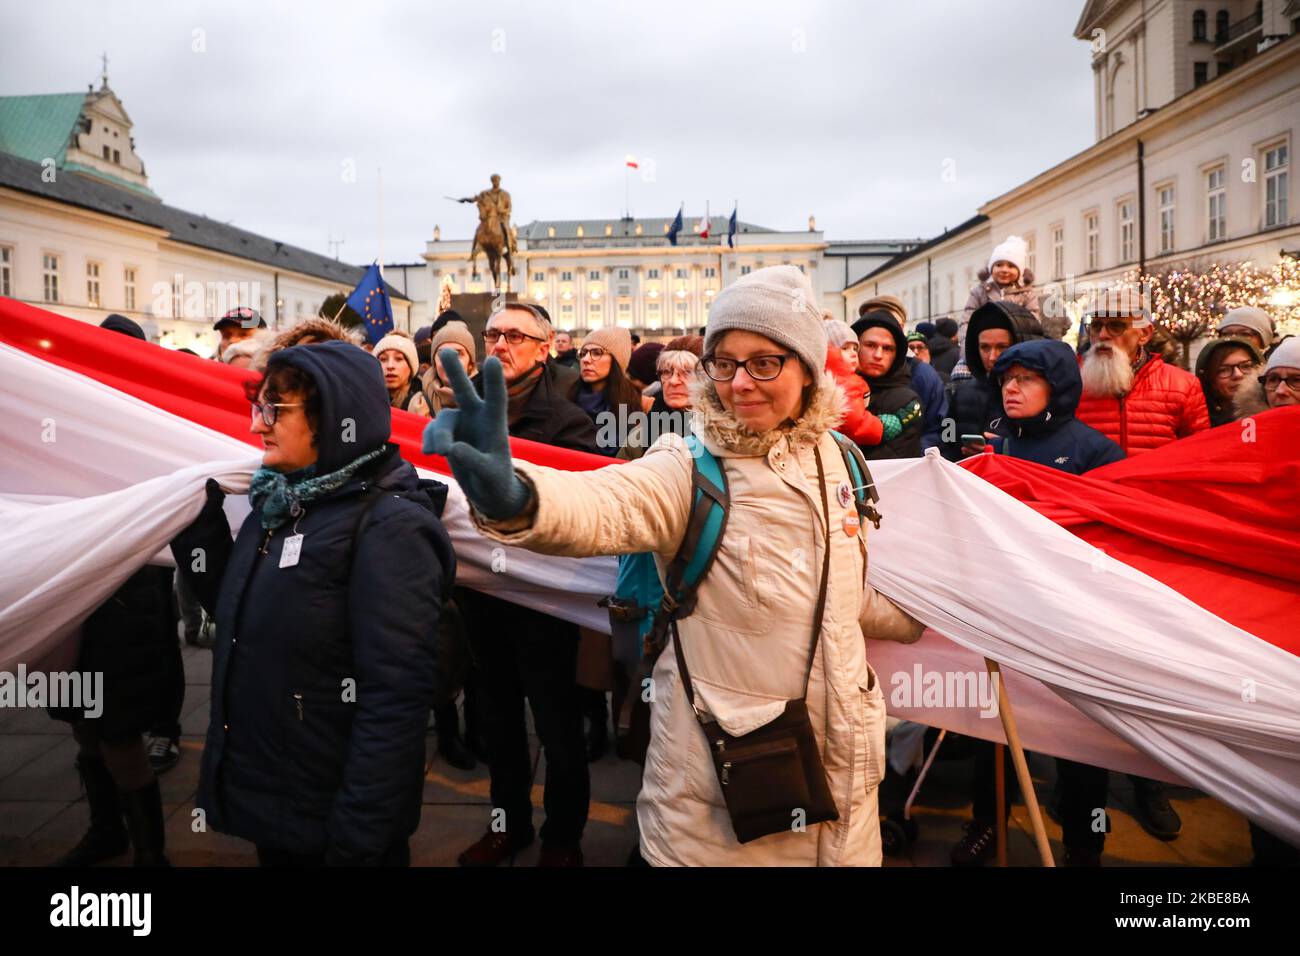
{"points": [[402, 344], [886, 303], [614, 340], [1252, 317], [457, 333], [777, 302]]}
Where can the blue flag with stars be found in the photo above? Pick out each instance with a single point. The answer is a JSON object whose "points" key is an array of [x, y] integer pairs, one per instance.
{"points": [[675, 228], [370, 301]]}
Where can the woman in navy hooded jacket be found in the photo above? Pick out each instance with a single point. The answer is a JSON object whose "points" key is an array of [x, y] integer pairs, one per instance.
{"points": [[327, 609], [1040, 388], [1039, 385]]}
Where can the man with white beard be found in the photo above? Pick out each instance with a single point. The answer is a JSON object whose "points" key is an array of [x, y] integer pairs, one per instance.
{"points": [[1141, 403], [1135, 399]]}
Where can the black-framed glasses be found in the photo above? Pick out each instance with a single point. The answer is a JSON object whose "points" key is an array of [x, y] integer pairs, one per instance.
{"points": [[512, 337], [1273, 379], [270, 411], [761, 368], [1236, 368], [594, 352]]}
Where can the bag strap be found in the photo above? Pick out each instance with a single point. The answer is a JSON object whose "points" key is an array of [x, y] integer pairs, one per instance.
{"points": [[818, 614], [864, 486]]}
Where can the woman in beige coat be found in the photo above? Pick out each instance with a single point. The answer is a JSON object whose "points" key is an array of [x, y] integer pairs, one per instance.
{"points": [[765, 410]]}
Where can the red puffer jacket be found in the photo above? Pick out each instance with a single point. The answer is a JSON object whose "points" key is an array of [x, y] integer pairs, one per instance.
{"points": [[1165, 404]]}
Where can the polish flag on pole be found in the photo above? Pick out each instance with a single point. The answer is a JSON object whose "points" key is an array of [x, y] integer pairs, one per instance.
{"points": [[703, 228], [630, 161]]}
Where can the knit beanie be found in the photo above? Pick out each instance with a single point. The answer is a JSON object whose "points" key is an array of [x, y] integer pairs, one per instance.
{"points": [[928, 329], [458, 333], [889, 303], [1012, 249], [917, 337], [777, 302], [403, 345], [839, 334], [614, 340], [1286, 355], [642, 364], [1253, 318]]}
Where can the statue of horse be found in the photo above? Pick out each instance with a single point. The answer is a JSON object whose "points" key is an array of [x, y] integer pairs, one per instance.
{"points": [[492, 239]]}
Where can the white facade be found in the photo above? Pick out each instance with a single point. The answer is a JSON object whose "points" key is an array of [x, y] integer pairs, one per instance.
{"points": [[587, 276], [1218, 183]]}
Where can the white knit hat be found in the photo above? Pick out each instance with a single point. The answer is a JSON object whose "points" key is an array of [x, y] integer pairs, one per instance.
{"points": [[1286, 355], [777, 302], [1012, 249], [403, 345]]}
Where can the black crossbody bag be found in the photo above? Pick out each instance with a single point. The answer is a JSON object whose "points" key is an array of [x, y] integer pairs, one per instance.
{"points": [[773, 779]]}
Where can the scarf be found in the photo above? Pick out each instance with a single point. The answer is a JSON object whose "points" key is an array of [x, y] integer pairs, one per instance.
{"points": [[520, 390], [592, 401], [276, 496]]}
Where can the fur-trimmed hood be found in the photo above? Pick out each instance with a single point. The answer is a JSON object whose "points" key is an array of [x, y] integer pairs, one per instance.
{"points": [[1249, 398], [726, 437]]}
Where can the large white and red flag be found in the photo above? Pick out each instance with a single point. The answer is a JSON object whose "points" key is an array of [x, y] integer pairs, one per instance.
{"points": [[1147, 616]]}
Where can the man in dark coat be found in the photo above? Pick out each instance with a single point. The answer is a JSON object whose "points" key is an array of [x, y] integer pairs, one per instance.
{"points": [[519, 653], [327, 607], [994, 327], [943, 346], [883, 362]]}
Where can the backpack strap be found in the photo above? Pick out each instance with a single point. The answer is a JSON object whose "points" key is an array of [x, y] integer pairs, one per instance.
{"points": [[864, 486], [710, 505]]}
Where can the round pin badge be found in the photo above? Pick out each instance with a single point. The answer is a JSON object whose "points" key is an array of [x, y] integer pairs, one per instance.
{"points": [[852, 523], [844, 492]]}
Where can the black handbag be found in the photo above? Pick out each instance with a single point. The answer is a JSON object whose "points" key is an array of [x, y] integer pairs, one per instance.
{"points": [[772, 778]]}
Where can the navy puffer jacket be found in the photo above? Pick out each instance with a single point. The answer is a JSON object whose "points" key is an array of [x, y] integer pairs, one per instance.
{"points": [[1054, 437], [324, 671]]}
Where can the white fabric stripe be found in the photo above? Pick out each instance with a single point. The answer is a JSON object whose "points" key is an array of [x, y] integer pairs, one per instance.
{"points": [[959, 554]]}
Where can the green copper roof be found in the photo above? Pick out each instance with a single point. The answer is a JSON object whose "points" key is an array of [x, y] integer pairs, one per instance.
{"points": [[39, 127]]}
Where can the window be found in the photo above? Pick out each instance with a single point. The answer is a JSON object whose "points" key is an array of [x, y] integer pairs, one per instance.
{"points": [[1092, 240], [50, 277], [1165, 203], [566, 276], [1126, 231], [681, 308], [1198, 27], [581, 232], [107, 155], [593, 275], [550, 232], [1221, 26], [609, 230], [652, 308], [712, 273], [625, 307], [1200, 73], [744, 270], [567, 309], [1276, 182], [92, 284], [652, 274], [539, 276], [117, 156], [1031, 256], [1216, 197], [6, 270], [128, 288], [594, 310], [1058, 252], [680, 273]]}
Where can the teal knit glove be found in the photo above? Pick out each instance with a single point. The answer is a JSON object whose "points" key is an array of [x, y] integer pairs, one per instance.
{"points": [[474, 440], [895, 422]]}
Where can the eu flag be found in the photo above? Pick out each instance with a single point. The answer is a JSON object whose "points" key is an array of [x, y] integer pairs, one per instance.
{"points": [[370, 301], [731, 228], [675, 228]]}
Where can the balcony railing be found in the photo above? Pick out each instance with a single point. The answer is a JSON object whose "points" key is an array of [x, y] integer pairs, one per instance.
{"points": [[1242, 27]]}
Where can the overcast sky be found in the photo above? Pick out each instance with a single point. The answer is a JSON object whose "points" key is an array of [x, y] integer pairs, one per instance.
{"points": [[845, 110]]}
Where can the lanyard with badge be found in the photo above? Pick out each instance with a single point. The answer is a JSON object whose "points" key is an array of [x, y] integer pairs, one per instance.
{"points": [[292, 549]]}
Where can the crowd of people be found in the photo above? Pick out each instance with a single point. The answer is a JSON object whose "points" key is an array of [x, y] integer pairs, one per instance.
{"points": [[339, 628]]}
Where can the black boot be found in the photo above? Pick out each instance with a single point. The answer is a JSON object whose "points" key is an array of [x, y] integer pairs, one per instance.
{"points": [[447, 722], [144, 820], [106, 837]]}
